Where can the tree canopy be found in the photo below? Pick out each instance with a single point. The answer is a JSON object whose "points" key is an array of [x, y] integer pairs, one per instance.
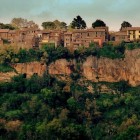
{"points": [[125, 24], [20, 22], [98, 23], [56, 24], [6, 26], [78, 23], [48, 25]]}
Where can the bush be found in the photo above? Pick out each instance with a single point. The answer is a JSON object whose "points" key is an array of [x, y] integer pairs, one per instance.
{"points": [[5, 68]]}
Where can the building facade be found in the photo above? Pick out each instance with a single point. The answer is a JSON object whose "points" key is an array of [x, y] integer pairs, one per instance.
{"points": [[55, 37], [128, 34], [133, 33], [78, 38]]}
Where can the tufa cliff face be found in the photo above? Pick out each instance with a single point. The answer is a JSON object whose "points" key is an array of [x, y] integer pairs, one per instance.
{"points": [[61, 67], [24, 68], [108, 70], [5, 77], [30, 68]]}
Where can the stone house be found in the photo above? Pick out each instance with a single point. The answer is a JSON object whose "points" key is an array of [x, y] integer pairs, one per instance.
{"points": [[26, 38], [77, 38], [121, 36], [4, 33], [133, 33], [55, 37], [1, 41], [128, 34]]}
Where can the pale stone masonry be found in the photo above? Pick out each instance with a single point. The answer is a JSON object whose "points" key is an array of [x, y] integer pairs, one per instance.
{"points": [[24, 38], [133, 33], [55, 37], [35, 38], [85, 37], [4, 33], [121, 36], [128, 34]]}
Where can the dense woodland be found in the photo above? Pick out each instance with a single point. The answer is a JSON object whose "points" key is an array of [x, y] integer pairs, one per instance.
{"points": [[45, 108], [42, 108]]}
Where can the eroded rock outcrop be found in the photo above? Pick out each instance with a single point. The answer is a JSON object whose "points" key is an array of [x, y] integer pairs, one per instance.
{"points": [[24, 68], [106, 69], [4, 77], [109, 70], [30, 68], [61, 67]]}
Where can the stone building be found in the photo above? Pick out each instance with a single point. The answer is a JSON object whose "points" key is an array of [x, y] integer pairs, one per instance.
{"points": [[85, 37], [26, 38], [133, 33], [1, 41], [55, 37], [121, 36], [128, 34], [4, 33]]}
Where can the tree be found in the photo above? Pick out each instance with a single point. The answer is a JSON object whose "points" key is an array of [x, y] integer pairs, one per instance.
{"points": [[56, 24], [98, 23], [20, 22], [125, 24], [60, 25], [49, 25], [63, 25], [78, 23], [6, 26]]}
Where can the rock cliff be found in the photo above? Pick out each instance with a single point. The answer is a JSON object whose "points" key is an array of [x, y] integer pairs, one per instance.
{"points": [[4, 77], [108, 70], [30, 68]]}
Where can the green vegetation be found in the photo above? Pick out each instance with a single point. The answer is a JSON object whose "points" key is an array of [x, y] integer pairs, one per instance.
{"points": [[5, 68], [19, 23], [49, 53], [6, 26], [98, 23], [42, 108], [6, 41], [125, 24], [45, 108], [56, 24], [8, 55], [78, 23], [131, 46]]}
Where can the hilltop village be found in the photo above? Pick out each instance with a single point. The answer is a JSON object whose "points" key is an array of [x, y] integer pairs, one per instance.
{"points": [[69, 83], [33, 37]]}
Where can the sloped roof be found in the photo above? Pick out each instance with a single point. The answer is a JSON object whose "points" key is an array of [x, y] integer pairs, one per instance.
{"points": [[96, 30], [133, 28], [123, 33], [4, 30]]}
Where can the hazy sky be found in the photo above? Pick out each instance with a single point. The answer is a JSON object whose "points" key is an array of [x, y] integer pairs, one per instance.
{"points": [[112, 12]]}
